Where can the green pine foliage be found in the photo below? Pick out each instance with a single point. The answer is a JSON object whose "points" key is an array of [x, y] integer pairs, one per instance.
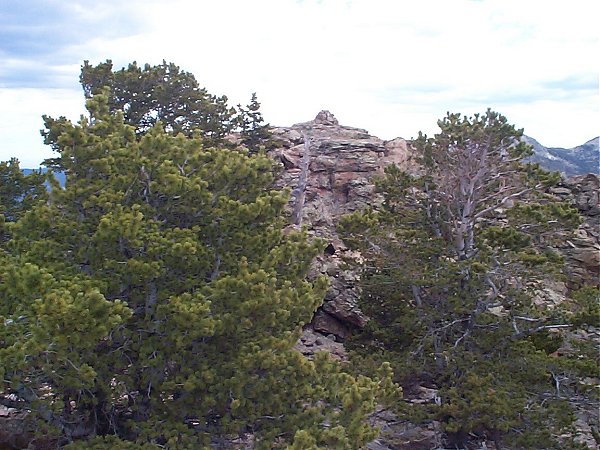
{"points": [[254, 133], [167, 95], [18, 194], [453, 260], [155, 301], [162, 93]]}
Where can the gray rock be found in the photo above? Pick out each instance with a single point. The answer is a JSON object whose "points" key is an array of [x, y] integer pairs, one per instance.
{"points": [[329, 325], [326, 118], [343, 162]]}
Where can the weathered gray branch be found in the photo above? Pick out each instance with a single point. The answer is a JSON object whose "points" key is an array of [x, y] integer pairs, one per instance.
{"points": [[300, 190]]}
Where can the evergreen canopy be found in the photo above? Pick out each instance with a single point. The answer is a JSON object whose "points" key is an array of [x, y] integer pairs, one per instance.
{"points": [[166, 95], [155, 301], [453, 261]]}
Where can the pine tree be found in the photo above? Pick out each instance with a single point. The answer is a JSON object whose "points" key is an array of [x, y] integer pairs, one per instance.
{"points": [[168, 95], [18, 193], [254, 133], [454, 259], [155, 301], [162, 93]]}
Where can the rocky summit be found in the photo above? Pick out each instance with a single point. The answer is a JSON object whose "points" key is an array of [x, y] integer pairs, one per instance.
{"points": [[330, 169], [163, 297]]}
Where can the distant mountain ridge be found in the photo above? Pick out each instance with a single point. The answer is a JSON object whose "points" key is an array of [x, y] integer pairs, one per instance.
{"points": [[579, 160]]}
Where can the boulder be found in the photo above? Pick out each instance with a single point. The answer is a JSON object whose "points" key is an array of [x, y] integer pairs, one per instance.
{"points": [[311, 342], [398, 434], [326, 118]]}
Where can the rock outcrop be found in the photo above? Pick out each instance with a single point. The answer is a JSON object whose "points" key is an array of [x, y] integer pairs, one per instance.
{"points": [[583, 250], [330, 169]]}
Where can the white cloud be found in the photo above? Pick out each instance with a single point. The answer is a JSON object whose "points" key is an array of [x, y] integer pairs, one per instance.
{"points": [[393, 67], [21, 122]]}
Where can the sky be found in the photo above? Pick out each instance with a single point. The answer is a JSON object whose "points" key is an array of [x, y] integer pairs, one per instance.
{"points": [[393, 67]]}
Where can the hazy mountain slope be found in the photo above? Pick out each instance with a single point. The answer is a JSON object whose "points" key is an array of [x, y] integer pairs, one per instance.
{"points": [[579, 160]]}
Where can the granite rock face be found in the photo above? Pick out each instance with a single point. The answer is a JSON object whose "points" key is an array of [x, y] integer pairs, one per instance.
{"points": [[330, 169], [341, 163]]}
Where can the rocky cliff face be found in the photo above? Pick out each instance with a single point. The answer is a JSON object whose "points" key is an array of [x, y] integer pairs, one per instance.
{"points": [[330, 169]]}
